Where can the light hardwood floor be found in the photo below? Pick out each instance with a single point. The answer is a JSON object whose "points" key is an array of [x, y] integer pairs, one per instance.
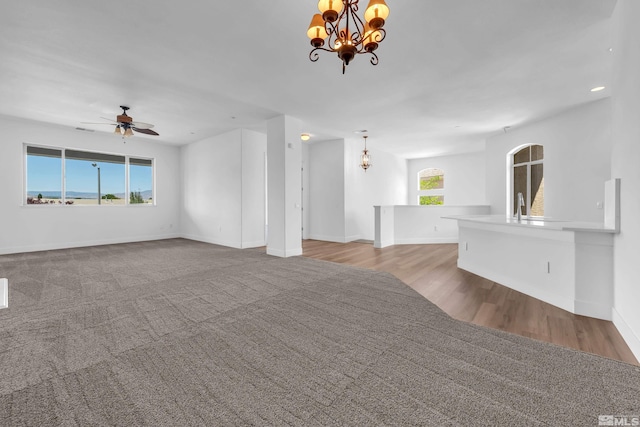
{"points": [[432, 271]]}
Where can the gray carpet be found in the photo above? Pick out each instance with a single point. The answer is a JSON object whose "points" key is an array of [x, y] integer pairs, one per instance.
{"points": [[182, 333]]}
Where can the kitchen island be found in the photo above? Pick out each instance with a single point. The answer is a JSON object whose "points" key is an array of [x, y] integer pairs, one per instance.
{"points": [[565, 263]]}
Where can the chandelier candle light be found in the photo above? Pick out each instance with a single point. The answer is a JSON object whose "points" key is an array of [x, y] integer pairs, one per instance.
{"points": [[365, 157], [346, 33]]}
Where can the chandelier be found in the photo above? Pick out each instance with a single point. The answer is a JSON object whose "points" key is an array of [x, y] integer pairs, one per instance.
{"points": [[346, 33], [365, 157]]}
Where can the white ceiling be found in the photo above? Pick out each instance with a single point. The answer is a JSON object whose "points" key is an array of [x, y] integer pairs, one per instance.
{"points": [[451, 72]]}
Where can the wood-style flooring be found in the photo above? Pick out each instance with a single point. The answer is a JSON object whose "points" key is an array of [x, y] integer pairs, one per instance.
{"points": [[432, 271]]}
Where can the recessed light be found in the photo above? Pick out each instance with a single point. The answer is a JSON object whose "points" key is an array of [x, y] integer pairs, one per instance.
{"points": [[305, 136], [597, 89]]}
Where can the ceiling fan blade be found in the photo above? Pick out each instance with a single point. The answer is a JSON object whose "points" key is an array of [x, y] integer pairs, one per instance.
{"points": [[141, 125], [111, 120], [147, 131], [90, 123]]}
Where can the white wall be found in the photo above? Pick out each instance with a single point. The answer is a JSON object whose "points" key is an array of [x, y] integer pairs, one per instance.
{"points": [[624, 165], [31, 228], [415, 224], [577, 149], [212, 190], [464, 178], [425, 224], [284, 177], [306, 196], [384, 183], [223, 189], [342, 195], [327, 191], [253, 188]]}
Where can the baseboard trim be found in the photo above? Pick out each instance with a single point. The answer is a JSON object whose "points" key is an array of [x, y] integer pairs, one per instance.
{"points": [[213, 241], [68, 245], [382, 244], [632, 340], [284, 254], [488, 273], [255, 244], [590, 309], [335, 239], [426, 240]]}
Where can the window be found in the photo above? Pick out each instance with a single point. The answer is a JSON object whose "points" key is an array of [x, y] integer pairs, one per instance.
{"points": [[44, 176], [140, 181], [528, 178], [94, 178], [72, 177], [431, 187]]}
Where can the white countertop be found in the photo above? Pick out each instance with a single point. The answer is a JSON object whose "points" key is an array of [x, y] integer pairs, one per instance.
{"points": [[543, 223]]}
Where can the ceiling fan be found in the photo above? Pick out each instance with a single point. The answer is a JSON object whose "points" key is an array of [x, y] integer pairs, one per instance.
{"points": [[125, 124]]}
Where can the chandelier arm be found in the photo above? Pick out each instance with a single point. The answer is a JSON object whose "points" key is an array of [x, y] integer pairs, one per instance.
{"points": [[374, 58], [313, 55], [332, 31], [358, 35], [349, 12], [346, 4], [330, 27]]}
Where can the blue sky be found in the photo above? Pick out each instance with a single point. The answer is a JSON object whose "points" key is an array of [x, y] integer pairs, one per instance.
{"points": [[45, 174]]}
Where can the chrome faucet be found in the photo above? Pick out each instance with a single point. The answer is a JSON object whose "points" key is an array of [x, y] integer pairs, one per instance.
{"points": [[520, 205]]}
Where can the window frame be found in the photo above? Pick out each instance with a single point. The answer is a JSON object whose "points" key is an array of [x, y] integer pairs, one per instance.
{"points": [[511, 166], [25, 171], [63, 189]]}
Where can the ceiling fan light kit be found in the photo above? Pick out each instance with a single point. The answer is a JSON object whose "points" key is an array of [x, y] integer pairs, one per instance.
{"points": [[125, 126], [345, 32]]}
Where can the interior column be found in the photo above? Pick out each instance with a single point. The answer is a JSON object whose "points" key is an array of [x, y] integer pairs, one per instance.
{"points": [[284, 186]]}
